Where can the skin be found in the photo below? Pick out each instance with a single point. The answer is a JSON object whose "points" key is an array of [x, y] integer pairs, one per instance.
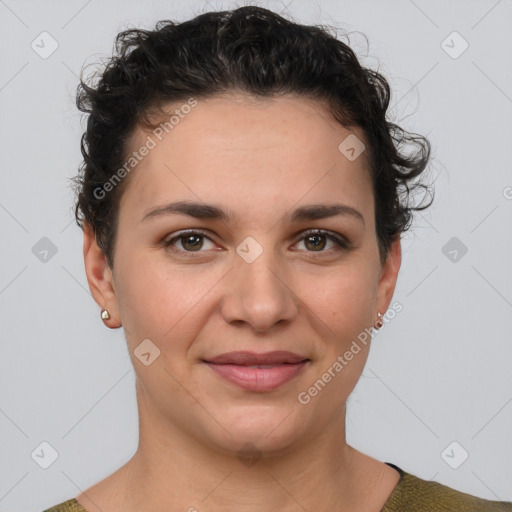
{"points": [[259, 159]]}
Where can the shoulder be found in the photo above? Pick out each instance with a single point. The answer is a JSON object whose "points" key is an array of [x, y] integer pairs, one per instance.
{"points": [[67, 506], [415, 494]]}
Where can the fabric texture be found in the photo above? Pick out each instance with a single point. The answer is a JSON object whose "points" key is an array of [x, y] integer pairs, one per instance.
{"points": [[411, 494]]}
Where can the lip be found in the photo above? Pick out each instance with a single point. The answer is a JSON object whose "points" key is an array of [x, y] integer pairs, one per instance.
{"points": [[238, 368], [246, 358]]}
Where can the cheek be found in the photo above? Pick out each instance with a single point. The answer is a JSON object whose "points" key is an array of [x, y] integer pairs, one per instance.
{"points": [[163, 302], [141, 295], [342, 312], [343, 297]]}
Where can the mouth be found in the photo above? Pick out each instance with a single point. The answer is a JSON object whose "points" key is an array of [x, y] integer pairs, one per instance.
{"points": [[258, 372], [246, 358]]}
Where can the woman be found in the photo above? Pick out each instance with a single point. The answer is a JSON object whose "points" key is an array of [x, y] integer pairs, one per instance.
{"points": [[242, 198]]}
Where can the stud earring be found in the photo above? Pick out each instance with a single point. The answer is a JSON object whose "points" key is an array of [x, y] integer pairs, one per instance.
{"points": [[379, 323], [105, 315]]}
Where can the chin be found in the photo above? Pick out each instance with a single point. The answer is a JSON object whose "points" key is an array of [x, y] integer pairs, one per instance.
{"points": [[269, 429]]}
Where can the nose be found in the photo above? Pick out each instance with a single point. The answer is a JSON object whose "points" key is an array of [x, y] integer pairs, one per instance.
{"points": [[258, 294]]}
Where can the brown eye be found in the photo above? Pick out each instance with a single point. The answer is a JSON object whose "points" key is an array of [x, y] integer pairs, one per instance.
{"points": [[316, 240], [194, 242], [190, 242]]}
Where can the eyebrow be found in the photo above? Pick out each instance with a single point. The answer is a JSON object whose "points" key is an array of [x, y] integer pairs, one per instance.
{"points": [[210, 211]]}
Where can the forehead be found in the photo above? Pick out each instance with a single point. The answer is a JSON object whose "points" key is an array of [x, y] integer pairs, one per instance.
{"points": [[270, 154]]}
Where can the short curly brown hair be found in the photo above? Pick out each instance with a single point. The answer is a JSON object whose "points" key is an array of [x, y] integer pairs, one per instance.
{"points": [[249, 49]]}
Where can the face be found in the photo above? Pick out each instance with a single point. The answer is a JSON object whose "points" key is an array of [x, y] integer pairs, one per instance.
{"points": [[248, 275]]}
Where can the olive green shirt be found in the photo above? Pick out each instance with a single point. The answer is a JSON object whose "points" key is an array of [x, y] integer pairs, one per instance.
{"points": [[411, 494]]}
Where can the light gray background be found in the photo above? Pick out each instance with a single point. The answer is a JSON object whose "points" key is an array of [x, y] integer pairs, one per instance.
{"points": [[439, 372]]}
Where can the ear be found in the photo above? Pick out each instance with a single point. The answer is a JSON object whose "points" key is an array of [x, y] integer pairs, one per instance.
{"points": [[389, 275], [100, 278]]}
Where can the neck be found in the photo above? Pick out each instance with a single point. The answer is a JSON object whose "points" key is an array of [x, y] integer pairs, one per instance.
{"points": [[175, 471]]}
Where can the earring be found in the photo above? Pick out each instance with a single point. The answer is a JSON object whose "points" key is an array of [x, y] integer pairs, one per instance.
{"points": [[105, 315], [379, 323]]}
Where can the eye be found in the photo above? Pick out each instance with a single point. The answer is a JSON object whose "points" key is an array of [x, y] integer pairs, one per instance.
{"points": [[191, 242], [312, 239]]}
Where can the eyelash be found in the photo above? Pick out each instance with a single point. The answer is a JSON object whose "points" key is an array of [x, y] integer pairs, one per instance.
{"points": [[342, 244]]}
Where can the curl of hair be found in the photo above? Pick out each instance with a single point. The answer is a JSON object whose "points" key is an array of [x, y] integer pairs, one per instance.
{"points": [[251, 50]]}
